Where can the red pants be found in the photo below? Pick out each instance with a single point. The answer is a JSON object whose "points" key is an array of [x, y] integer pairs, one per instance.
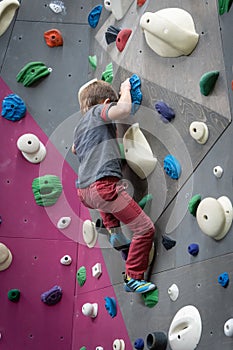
{"points": [[115, 205]]}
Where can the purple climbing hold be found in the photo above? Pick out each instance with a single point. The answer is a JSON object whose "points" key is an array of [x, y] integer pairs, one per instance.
{"points": [[193, 249], [166, 112], [94, 16], [52, 296]]}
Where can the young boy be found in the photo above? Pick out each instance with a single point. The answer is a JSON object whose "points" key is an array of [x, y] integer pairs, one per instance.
{"points": [[99, 175]]}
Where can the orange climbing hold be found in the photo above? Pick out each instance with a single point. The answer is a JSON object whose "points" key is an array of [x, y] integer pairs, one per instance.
{"points": [[53, 37], [122, 38], [140, 2], [232, 85]]}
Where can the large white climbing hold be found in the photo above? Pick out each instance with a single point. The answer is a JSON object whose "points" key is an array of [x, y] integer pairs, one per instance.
{"points": [[214, 216], [185, 329], [118, 7], [90, 310], [89, 233], [32, 148], [118, 344], [199, 132], [228, 328], [7, 12], [138, 153], [169, 32]]}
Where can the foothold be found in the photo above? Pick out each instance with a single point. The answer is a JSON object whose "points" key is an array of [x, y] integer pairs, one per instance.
{"points": [[151, 298], [90, 310], [52, 296], [218, 171], [140, 2], [90, 234], [156, 341], [99, 348], [169, 32], [167, 242], [96, 270], [193, 249], [224, 6], [208, 81], [83, 348], [172, 166], [146, 199], [111, 306], [228, 328], [13, 108], [5, 257], [32, 72], [193, 204], [107, 75], [66, 260], [122, 38], [94, 16], [31, 148], [7, 12], [139, 344], [64, 222], [111, 34], [118, 344], [173, 292], [47, 190], [93, 61], [135, 91], [118, 7], [14, 295], [81, 276], [199, 132], [214, 216], [53, 38], [166, 112], [223, 279], [57, 6]]}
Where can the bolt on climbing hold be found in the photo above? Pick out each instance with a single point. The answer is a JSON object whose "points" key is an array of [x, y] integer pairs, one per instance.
{"points": [[53, 37], [139, 344], [207, 82], [117, 7], [228, 327], [90, 310], [111, 34], [172, 166], [193, 249], [7, 12], [151, 298], [156, 341], [32, 72], [136, 93], [99, 348], [14, 295], [107, 75], [64, 222], [199, 132], [218, 171], [93, 61], [31, 148], [52, 296], [90, 234], [5, 257], [193, 204], [166, 112], [168, 242], [145, 200], [111, 306], [96, 270], [47, 190], [118, 344], [81, 276], [66, 260], [173, 292], [223, 279], [13, 108], [57, 6], [140, 2], [122, 38], [224, 6], [94, 16]]}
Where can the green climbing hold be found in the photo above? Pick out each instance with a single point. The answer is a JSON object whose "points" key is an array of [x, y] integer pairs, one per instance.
{"points": [[224, 6], [146, 199], [193, 204], [83, 348], [207, 82], [151, 298], [93, 61], [81, 275], [107, 75], [32, 72], [122, 151], [47, 189], [13, 295]]}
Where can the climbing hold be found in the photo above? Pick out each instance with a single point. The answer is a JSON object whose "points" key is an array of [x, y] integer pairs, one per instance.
{"points": [[173, 292], [32, 72], [223, 279], [193, 204], [64, 222], [14, 295], [47, 189], [208, 81], [199, 132], [99, 348], [111, 306], [52, 296], [138, 153], [218, 171], [66, 260], [169, 32], [5, 257], [94, 16], [228, 328], [7, 12], [57, 6], [151, 298], [31, 148], [224, 6], [122, 38], [188, 339], [140, 2], [90, 310], [53, 37], [97, 270], [193, 249], [111, 34], [13, 108], [118, 344], [81, 276], [146, 199], [135, 91], [214, 216], [100, 228], [166, 112], [156, 341], [107, 75], [172, 167], [93, 61], [118, 7], [139, 344], [167, 242], [83, 348], [89, 233]]}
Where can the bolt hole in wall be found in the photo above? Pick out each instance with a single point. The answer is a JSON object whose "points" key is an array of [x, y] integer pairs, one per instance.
{"points": [[198, 285]]}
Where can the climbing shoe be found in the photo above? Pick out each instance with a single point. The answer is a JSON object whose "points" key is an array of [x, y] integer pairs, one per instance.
{"points": [[138, 286], [118, 240]]}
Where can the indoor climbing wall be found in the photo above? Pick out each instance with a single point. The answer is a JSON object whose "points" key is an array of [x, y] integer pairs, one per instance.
{"points": [[60, 289]]}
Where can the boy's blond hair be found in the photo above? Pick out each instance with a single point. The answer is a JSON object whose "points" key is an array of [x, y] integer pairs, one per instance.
{"points": [[97, 91]]}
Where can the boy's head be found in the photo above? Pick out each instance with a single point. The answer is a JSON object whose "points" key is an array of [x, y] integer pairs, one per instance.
{"points": [[95, 92]]}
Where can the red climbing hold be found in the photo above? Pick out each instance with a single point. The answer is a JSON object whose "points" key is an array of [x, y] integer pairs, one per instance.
{"points": [[122, 38], [141, 2], [232, 85], [53, 37]]}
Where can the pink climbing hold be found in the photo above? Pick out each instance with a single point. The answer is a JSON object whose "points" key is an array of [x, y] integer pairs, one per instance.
{"points": [[122, 38]]}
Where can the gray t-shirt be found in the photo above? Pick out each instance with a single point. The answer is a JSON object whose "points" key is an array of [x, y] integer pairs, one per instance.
{"points": [[95, 142]]}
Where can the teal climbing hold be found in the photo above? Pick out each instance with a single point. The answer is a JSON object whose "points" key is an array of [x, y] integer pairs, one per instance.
{"points": [[46, 189], [208, 81], [32, 72], [224, 6], [13, 295]]}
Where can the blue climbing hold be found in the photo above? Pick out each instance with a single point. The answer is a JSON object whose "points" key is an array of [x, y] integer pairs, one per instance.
{"points": [[136, 94], [94, 16], [52, 296], [166, 112], [139, 344], [13, 108], [223, 279], [172, 167], [193, 249], [110, 306]]}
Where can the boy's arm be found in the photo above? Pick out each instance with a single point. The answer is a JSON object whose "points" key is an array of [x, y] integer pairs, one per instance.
{"points": [[123, 107]]}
